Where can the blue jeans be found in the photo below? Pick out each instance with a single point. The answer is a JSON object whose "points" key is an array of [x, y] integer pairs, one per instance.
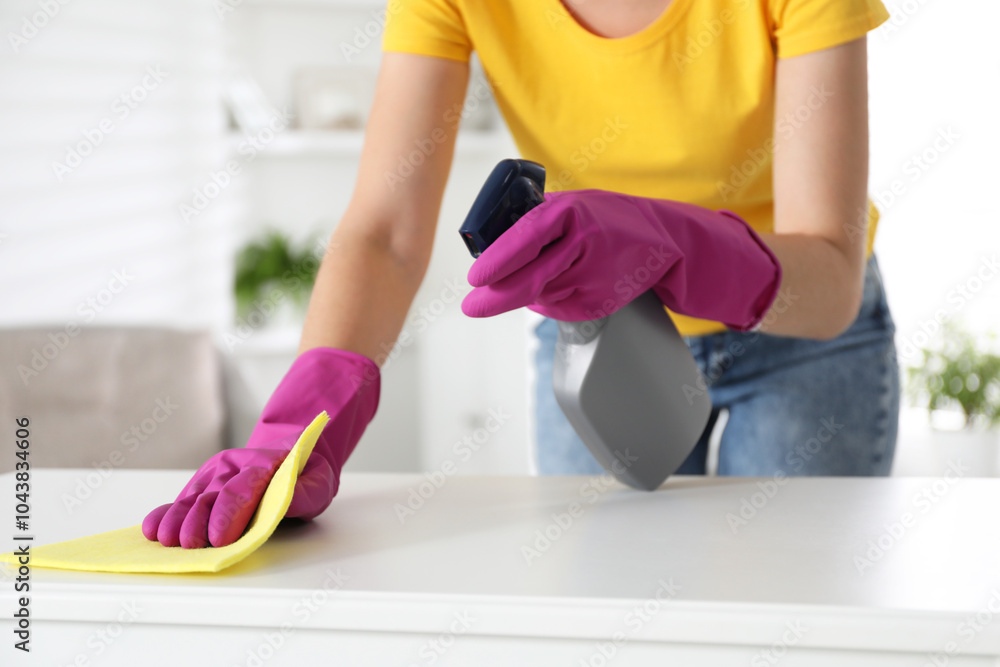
{"points": [[796, 405]]}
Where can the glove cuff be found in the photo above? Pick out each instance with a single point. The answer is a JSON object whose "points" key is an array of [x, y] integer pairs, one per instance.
{"points": [[768, 275], [345, 384]]}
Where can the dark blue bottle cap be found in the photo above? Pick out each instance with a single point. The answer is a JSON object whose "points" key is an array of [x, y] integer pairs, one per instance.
{"points": [[513, 188]]}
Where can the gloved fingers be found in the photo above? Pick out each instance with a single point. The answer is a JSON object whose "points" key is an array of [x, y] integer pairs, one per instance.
{"points": [[214, 473], [168, 532], [519, 245], [199, 481], [314, 489], [525, 286], [194, 529], [152, 521], [236, 503], [552, 301], [488, 301]]}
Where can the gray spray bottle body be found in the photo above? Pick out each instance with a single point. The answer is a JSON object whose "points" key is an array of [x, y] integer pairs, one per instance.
{"points": [[627, 383]]}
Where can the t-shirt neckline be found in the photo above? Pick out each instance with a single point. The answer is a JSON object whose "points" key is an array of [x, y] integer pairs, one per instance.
{"points": [[648, 35]]}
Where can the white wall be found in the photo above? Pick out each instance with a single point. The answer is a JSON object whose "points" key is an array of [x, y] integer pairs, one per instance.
{"points": [[134, 88], [936, 68]]}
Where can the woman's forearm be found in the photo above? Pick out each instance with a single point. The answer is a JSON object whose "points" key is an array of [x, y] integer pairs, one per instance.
{"points": [[820, 290], [820, 176], [362, 294], [379, 252]]}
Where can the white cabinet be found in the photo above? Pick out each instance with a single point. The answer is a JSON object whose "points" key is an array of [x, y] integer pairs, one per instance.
{"points": [[520, 570]]}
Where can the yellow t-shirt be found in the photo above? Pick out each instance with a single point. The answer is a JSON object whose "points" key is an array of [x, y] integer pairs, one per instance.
{"points": [[682, 110]]}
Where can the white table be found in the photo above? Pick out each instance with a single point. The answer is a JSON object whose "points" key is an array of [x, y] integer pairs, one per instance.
{"points": [[452, 586]]}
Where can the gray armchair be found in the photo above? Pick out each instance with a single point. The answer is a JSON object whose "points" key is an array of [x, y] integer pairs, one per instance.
{"points": [[121, 397]]}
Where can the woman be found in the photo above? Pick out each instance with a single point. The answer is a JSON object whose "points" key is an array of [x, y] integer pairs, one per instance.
{"points": [[651, 116]]}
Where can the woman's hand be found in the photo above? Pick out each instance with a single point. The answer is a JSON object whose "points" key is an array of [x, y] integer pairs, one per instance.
{"points": [[584, 254], [216, 505]]}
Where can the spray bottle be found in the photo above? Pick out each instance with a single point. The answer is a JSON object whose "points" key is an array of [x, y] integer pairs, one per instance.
{"points": [[627, 383]]}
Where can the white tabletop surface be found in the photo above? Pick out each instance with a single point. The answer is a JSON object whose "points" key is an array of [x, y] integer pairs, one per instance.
{"points": [[794, 559]]}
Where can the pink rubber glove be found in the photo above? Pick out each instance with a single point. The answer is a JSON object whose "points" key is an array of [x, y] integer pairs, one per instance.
{"points": [[583, 254], [219, 501]]}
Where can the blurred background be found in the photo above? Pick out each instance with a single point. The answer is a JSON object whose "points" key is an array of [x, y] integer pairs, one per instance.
{"points": [[169, 172]]}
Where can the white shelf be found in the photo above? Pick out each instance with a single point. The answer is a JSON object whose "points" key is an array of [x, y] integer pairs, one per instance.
{"points": [[340, 143]]}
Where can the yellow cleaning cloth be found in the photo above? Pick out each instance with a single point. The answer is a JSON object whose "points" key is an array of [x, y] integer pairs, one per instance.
{"points": [[127, 549]]}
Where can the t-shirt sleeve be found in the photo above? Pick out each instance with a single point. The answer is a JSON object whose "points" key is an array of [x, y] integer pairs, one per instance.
{"points": [[426, 27], [802, 26]]}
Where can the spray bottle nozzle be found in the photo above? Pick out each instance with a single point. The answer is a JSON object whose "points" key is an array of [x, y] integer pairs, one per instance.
{"points": [[513, 188]]}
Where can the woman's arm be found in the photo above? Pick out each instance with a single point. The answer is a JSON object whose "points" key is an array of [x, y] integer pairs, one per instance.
{"points": [[820, 191], [377, 256]]}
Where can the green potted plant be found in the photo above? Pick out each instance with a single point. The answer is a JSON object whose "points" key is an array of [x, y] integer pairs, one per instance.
{"points": [[958, 382], [273, 280]]}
